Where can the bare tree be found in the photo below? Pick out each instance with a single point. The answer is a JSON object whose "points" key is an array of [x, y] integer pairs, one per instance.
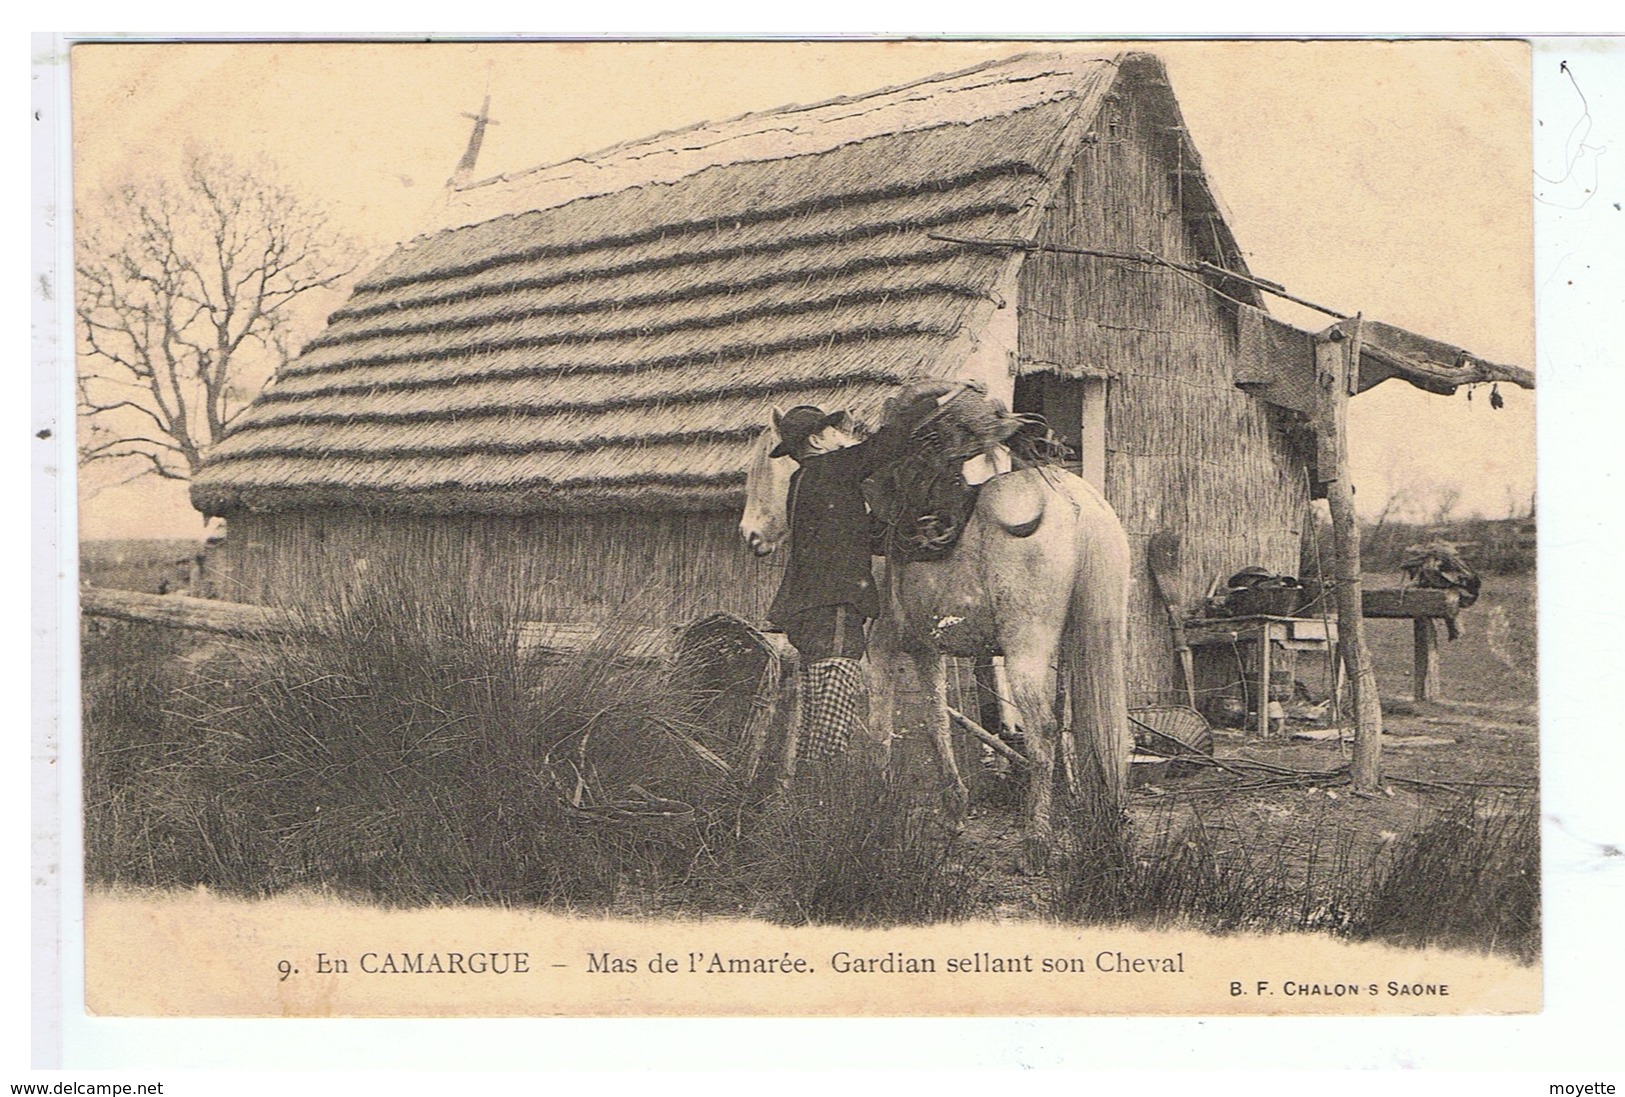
{"points": [[186, 296], [1444, 498]]}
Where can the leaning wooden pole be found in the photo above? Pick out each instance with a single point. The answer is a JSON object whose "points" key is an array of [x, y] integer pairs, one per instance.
{"points": [[1337, 357]]}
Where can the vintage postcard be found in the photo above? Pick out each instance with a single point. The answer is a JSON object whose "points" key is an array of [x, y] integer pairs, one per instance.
{"points": [[822, 528]]}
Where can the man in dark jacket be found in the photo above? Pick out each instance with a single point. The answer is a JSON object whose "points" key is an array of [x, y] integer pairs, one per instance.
{"points": [[827, 596]]}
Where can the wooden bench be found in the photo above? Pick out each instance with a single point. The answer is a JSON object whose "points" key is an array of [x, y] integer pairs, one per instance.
{"points": [[1425, 608]]}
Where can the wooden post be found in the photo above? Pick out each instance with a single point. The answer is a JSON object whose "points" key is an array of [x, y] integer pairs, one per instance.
{"points": [[1093, 431], [1264, 680], [1426, 680], [1337, 352], [541, 640]]}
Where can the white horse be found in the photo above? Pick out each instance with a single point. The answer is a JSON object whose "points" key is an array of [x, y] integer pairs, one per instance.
{"points": [[1040, 574]]}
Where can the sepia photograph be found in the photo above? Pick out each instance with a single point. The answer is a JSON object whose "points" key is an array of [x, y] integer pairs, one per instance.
{"points": [[807, 528]]}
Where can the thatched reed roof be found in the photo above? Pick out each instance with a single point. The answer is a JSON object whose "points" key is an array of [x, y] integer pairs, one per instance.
{"points": [[613, 331]]}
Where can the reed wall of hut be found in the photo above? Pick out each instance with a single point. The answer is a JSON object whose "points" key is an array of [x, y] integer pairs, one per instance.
{"points": [[608, 568], [1185, 449]]}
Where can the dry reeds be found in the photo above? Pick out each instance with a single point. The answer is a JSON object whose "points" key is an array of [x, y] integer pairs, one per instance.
{"points": [[763, 194], [716, 261], [1186, 451], [911, 296], [1468, 879], [1185, 869], [397, 747], [589, 381], [145, 821], [667, 567], [401, 749]]}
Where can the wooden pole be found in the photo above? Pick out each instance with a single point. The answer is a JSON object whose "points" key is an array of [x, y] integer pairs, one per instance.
{"points": [[179, 611], [1426, 678], [999, 745], [1337, 354]]}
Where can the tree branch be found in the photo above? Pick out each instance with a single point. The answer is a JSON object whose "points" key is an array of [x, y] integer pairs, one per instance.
{"points": [[185, 291], [138, 440], [1469, 371], [90, 407], [158, 467]]}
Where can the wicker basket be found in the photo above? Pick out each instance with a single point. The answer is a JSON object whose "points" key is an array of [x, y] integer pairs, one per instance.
{"points": [[1163, 733]]}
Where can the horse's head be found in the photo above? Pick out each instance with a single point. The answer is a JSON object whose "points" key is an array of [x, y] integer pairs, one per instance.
{"points": [[765, 523]]}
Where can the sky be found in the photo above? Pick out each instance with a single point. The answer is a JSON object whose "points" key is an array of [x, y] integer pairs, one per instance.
{"points": [[1391, 179]]}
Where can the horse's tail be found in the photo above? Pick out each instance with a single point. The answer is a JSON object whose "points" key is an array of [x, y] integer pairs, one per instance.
{"points": [[1094, 656]]}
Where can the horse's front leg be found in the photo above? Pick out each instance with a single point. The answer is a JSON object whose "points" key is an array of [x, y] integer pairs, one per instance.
{"points": [[882, 697], [934, 680], [796, 686], [882, 664]]}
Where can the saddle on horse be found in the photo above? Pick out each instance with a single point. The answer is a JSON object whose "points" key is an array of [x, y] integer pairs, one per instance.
{"points": [[919, 504]]}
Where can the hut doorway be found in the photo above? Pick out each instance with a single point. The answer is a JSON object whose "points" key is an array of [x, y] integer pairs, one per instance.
{"points": [[1075, 408]]}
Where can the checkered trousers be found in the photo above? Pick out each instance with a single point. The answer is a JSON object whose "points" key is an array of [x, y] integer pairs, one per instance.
{"points": [[831, 691]]}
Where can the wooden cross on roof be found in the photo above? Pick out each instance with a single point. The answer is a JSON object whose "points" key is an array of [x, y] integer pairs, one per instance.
{"points": [[471, 155]]}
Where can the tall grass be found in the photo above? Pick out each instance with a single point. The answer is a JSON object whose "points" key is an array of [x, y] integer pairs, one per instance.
{"points": [[848, 845], [1188, 869], [1468, 877], [398, 745], [146, 817]]}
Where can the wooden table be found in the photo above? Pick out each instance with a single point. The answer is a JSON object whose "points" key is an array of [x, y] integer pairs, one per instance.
{"points": [[1292, 633]]}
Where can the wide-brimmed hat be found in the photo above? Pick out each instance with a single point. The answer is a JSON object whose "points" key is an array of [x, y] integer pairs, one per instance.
{"points": [[799, 424]]}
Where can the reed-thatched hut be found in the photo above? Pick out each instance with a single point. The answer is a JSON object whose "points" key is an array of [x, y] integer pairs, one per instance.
{"points": [[554, 396]]}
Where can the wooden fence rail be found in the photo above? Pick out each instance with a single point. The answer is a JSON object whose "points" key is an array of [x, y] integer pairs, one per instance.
{"points": [[536, 639], [180, 611]]}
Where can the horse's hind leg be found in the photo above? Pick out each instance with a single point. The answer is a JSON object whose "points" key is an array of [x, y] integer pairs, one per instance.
{"points": [[1032, 681], [934, 680]]}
